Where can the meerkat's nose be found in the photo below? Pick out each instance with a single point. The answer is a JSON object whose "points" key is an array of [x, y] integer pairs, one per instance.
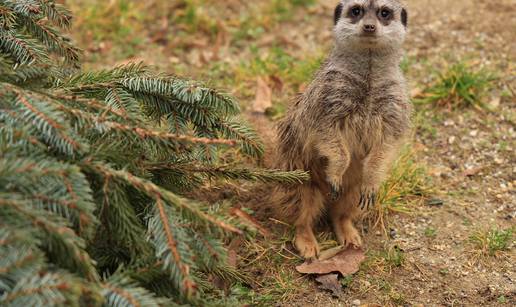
{"points": [[369, 28]]}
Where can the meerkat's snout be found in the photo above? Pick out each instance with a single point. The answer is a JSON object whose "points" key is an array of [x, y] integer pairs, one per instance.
{"points": [[369, 29], [369, 25]]}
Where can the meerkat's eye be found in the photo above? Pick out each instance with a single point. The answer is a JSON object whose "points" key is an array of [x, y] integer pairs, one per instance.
{"points": [[385, 13], [355, 11]]}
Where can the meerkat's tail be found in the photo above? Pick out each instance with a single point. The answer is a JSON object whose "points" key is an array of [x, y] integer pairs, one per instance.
{"points": [[285, 203]]}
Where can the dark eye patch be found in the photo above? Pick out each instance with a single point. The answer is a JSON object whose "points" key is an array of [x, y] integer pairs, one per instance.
{"points": [[404, 17], [355, 13], [337, 14], [385, 15]]}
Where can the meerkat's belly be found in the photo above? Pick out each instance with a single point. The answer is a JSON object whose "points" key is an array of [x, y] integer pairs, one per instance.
{"points": [[362, 133]]}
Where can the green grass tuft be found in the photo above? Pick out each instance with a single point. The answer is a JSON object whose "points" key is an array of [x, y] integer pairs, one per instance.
{"points": [[430, 232], [384, 260], [458, 87], [407, 184], [492, 241]]}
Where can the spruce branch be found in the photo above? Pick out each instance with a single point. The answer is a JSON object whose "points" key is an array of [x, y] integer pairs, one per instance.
{"points": [[102, 78], [22, 49], [121, 291], [7, 17], [250, 142], [122, 101], [120, 219], [65, 192], [48, 289], [24, 7], [56, 13], [155, 192], [171, 248], [180, 90], [160, 136], [47, 120], [233, 173], [109, 109], [58, 239], [17, 261], [52, 39]]}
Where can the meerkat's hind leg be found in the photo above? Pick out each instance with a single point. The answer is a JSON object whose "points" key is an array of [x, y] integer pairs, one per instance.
{"points": [[306, 243], [343, 212], [311, 206]]}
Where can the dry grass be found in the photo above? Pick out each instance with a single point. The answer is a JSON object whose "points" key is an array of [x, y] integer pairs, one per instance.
{"points": [[491, 242], [407, 186]]}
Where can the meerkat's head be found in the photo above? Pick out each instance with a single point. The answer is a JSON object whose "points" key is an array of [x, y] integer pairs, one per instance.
{"points": [[370, 24]]}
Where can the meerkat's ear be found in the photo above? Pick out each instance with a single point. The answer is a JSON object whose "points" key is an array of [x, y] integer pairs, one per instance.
{"points": [[404, 17], [337, 14]]}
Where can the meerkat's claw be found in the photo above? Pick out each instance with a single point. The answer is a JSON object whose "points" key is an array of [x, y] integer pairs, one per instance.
{"points": [[367, 199], [335, 192], [372, 200]]}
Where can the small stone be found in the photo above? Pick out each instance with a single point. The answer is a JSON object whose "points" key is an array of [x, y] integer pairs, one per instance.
{"points": [[495, 102], [392, 233], [356, 303], [473, 133], [435, 202]]}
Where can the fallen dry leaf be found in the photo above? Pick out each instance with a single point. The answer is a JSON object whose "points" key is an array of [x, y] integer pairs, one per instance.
{"points": [[346, 262], [330, 282], [263, 98]]}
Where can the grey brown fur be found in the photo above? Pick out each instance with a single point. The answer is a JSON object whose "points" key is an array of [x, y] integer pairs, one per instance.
{"points": [[348, 125]]}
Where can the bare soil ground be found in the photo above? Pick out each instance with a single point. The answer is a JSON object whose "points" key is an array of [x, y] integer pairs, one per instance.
{"points": [[426, 257]]}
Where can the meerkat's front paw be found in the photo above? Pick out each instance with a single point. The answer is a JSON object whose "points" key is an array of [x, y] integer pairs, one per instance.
{"points": [[367, 198], [306, 244]]}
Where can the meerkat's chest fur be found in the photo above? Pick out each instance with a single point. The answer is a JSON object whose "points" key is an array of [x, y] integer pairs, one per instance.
{"points": [[366, 100]]}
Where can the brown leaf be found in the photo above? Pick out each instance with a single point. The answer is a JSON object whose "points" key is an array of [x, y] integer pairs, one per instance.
{"points": [[249, 220], [263, 98], [330, 282], [346, 262]]}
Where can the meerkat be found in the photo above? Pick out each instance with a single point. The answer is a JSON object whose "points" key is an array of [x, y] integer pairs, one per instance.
{"points": [[348, 125]]}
